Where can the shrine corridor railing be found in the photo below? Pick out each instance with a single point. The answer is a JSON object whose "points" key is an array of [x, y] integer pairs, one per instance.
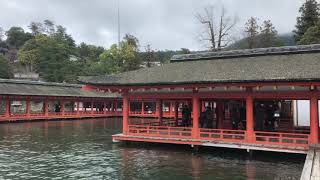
{"points": [[284, 139], [57, 115], [222, 134], [160, 131], [272, 139]]}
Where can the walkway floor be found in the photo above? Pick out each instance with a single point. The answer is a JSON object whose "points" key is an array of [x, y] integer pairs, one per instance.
{"points": [[311, 169]]}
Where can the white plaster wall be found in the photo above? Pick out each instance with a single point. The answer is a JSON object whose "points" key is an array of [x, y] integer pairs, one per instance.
{"points": [[303, 113]]}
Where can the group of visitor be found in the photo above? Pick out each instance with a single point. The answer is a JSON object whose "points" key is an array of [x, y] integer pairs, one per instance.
{"points": [[186, 116], [238, 116], [206, 118], [266, 116]]}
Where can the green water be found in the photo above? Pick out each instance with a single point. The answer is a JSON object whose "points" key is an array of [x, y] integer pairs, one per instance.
{"points": [[83, 149]]}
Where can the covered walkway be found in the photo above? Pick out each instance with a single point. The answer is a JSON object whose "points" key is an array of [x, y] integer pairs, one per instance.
{"points": [[251, 95], [27, 100]]}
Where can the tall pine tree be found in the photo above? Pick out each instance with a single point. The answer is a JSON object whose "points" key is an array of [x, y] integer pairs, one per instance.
{"points": [[309, 18], [252, 30]]}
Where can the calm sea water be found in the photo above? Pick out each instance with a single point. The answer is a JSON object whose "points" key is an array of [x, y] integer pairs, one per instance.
{"points": [[83, 149]]}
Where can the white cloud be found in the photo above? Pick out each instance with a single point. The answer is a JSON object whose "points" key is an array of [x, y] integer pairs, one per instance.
{"points": [[165, 24]]}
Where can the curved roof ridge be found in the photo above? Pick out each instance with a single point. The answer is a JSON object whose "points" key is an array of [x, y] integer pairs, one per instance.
{"points": [[247, 53], [15, 81]]}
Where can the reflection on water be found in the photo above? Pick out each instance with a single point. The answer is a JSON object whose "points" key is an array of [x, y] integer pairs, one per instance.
{"points": [[83, 149]]}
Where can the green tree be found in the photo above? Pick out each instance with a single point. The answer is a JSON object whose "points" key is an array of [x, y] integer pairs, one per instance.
{"points": [[309, 18], [129, 56], [184, 51], [16, 37], [48, 27], [116, 60], [1, 34], [62, 36], [89, 53], [269, 35], [110, 62], [36, 28], [311, 36], [49, 57], [5, 68], [252, 30]]}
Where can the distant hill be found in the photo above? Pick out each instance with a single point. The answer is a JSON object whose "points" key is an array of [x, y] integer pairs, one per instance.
{"points": [[287, 39]]}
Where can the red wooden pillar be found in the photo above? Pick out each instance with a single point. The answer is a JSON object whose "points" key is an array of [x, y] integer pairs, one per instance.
{"points": [[170, 109], [125, 115], [7, 113], [91, 106], [250, 124], [62, 106], [28, 107], [142, 108], [159, 110], [196, 115], [314, 121], [45, 107], [176, 112]]}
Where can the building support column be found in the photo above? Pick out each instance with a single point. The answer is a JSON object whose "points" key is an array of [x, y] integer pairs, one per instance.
{"points": [[46, 108], [62, 107], [314, 121], [176, 112], [250, 124], [142, 108], [125, 114], [196, 115], [159, 110], [28, 107], [7, 113]]}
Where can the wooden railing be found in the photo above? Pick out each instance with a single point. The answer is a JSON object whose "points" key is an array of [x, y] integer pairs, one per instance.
{"points": [[160, 131], [222, 134], [285, 139], [35, 114], [55, 113]]}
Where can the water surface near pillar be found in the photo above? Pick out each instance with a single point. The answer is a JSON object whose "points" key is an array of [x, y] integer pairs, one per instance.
{"points": [[83, 149]]}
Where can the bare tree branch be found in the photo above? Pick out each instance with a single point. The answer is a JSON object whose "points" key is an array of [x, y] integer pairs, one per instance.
{"points": [[216, 35]]}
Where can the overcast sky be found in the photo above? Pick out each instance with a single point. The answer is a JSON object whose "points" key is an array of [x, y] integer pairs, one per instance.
{"points": [[165, 24]]}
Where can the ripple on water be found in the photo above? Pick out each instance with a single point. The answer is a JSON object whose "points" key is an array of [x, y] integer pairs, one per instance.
{"points": [[82, 149]]}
